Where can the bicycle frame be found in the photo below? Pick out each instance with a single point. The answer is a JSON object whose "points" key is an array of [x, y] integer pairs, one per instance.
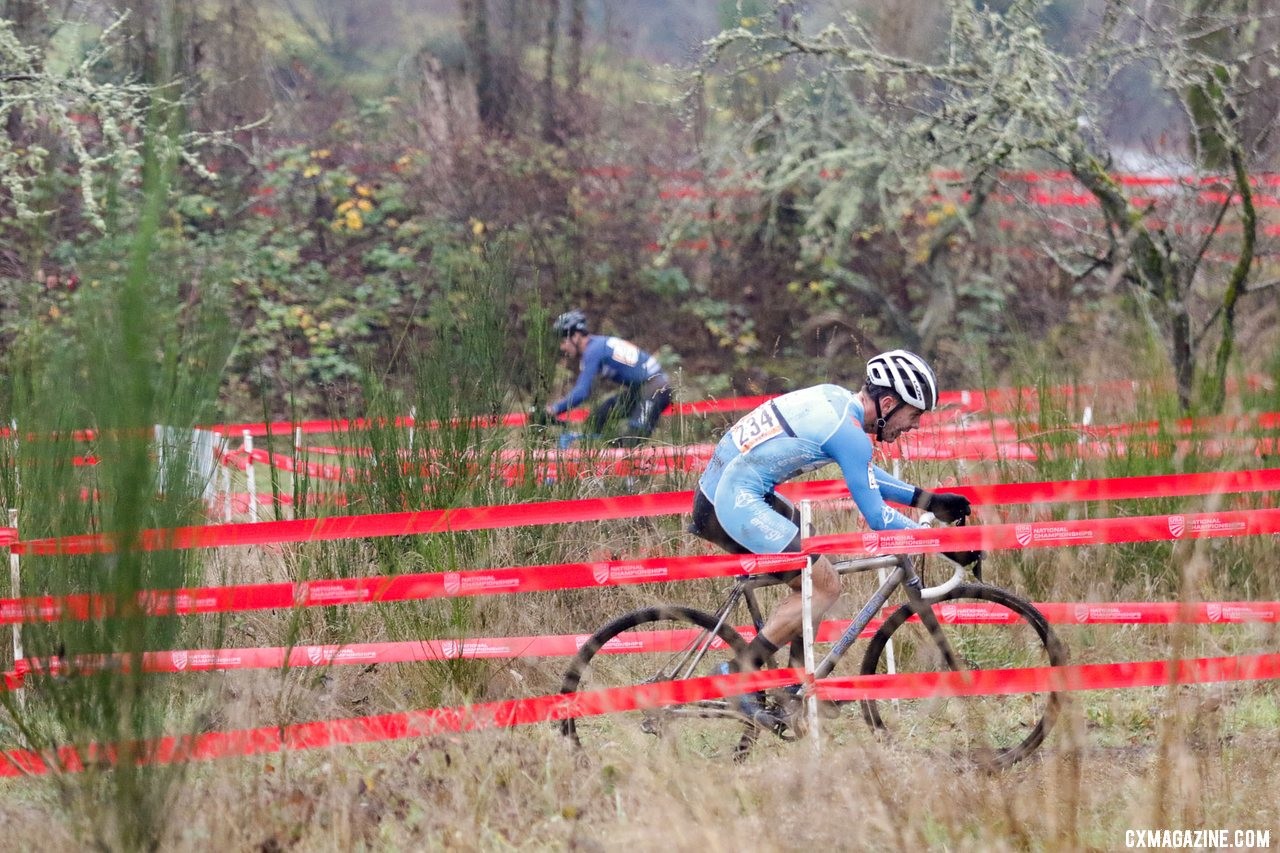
{"points": [[785, 712], [903, 575]]}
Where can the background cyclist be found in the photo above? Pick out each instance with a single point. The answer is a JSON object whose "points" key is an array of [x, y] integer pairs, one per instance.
{"points": [[735, 505], [645, 392]]}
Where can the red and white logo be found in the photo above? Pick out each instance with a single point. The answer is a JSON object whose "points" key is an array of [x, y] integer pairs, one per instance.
{"points": [[452, 582], [1177, 525], [717, 643], [179, 661], [1215, 612], [871, 542], [947, 612], [750, 564], [600, 571], [315, 654], [1082, 613], [1023, 533], [448, 648], [581, 640]]}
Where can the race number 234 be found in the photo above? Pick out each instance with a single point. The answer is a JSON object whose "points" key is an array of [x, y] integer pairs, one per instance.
{"points": [[755, 429]]}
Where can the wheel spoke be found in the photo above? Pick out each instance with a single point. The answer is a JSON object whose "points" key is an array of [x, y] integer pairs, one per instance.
{"points": [[992, 730], [648, 646]]}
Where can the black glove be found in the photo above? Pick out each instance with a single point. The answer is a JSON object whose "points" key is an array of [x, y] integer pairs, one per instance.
{"points": [[947, 506], [964, 558]]}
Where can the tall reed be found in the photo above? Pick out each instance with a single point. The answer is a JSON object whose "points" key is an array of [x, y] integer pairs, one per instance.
{"points": [[138, 362]]}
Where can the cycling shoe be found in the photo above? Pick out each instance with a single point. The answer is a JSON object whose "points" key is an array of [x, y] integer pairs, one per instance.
{"points": [[751, 705]]}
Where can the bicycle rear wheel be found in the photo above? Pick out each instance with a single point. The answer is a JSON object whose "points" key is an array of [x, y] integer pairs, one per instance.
{"points": [[646, 646], [986, 628]]}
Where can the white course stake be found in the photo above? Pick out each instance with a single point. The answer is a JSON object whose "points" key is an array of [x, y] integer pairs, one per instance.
{"points": [[882, 574], [226, 493], [250, 477], [1086, 420], [15, 590], [807, 634]]}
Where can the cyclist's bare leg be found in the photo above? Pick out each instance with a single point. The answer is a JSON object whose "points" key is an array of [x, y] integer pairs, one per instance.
{"points": [[786, 622]]}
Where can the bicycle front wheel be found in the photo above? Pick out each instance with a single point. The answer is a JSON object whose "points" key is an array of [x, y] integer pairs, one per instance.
{"points": [[646, 646], [985, 628]]}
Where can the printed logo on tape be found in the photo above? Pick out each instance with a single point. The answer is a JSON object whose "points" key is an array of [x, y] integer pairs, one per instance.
{"points": [[871, 542], [1082, 613], [448, 648], [600, 572], [452, 582], [315, 654], [1215, 612], [1023, 533], [947, 612], [179, 661], [749, 564], [1177, 525]]}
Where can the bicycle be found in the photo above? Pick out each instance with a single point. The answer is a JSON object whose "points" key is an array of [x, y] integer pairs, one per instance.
{"points": [[668, 642]]}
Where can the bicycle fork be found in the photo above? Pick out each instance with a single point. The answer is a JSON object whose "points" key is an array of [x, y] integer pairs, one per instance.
{"points": [[924, 612]]}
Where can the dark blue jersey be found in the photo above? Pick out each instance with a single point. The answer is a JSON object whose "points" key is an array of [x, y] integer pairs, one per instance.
{"points": [[609, 358]]}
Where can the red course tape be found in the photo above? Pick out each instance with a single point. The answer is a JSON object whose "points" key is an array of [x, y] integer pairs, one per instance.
{"points": [[566, 645], [632, 506], [537, 709]]}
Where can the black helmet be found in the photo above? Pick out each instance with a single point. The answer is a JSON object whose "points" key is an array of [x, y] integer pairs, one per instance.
{"points": [[569, 322]]}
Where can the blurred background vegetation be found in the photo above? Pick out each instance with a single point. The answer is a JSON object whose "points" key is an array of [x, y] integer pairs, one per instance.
{"points": [[232, 210], [741, 210]]}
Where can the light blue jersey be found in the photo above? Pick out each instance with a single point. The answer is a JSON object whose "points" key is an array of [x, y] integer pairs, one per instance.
{"points": [[784, 438]]}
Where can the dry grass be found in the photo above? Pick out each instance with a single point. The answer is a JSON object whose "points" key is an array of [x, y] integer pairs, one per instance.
{"points": [[1118, 760], [525, 789]]}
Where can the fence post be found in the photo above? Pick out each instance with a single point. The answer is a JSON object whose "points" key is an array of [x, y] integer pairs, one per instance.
{"points": [[251, 477], [807, 632], [15, 590]]}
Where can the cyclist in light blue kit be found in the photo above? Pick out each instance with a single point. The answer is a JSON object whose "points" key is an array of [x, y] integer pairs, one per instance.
{"points": [[735, 505], [645, 393]]}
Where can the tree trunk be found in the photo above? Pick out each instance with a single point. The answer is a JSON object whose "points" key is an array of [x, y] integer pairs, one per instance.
{"points": [[489, 103], [1150, 267], [1216, 392], [577, 34], [29, 20], [550, 132]]}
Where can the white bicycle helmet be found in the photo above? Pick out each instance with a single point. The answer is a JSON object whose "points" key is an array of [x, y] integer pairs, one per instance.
{"points": [[907, 375]]}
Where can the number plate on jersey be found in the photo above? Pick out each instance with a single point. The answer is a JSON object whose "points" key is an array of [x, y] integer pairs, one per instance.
{"points": [[755, 429]]}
